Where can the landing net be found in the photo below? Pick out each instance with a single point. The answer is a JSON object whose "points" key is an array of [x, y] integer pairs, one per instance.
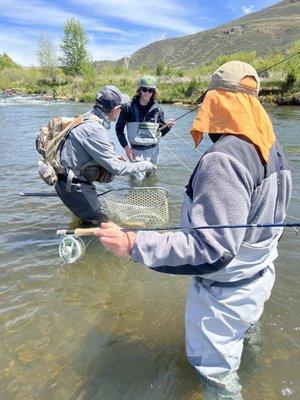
{"points": [[138, 206]]}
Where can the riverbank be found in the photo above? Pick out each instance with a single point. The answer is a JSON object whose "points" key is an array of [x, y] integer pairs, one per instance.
{"points": [[275, 97]]}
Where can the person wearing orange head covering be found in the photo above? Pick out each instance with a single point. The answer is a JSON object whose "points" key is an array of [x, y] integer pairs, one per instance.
{"points": [[243, 178]]}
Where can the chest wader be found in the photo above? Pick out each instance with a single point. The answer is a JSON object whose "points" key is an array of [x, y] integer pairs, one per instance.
{"points": [[142, 133], [143, 138], [218, 315]]}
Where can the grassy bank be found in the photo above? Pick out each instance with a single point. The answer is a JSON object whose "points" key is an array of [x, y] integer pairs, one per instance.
{"points": [[280, 85]]}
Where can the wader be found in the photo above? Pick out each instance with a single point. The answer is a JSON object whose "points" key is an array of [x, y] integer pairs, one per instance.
{"points": [[218, 314], [82, 200], [143, 138]]}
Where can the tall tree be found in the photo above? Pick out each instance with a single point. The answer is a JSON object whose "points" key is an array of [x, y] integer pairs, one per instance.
{"points": [[47, 57], [74, 47]]}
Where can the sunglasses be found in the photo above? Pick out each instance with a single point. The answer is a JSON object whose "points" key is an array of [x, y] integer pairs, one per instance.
{"points": [[145, 90]]}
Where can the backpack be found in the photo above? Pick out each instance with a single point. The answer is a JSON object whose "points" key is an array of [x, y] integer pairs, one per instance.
{"points": [[49, 142]]}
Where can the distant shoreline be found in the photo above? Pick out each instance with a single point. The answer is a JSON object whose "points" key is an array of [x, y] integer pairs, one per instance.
{"points": [[274, 97]]}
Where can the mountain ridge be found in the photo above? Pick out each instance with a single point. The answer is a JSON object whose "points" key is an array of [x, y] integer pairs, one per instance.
{"points": [[274, 28]]}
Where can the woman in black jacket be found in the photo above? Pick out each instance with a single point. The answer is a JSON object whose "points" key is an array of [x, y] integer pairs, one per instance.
{"points": [[144, 120]]}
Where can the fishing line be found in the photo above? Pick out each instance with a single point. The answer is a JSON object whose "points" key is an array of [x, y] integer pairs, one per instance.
{"points": [[174, 155], [189, 144]]}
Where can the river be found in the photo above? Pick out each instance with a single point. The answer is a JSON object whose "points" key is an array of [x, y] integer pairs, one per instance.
{"points": [[106, 328]]}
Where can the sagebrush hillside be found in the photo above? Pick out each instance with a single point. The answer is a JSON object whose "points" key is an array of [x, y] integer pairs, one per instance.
{"points": [[274, 28]]}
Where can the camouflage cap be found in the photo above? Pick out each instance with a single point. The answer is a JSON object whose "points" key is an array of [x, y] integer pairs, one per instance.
{"points": [[232, 76], [148, 81]]}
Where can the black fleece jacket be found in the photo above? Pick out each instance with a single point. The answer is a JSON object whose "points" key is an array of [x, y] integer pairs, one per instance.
{"points": [[146, 114]]}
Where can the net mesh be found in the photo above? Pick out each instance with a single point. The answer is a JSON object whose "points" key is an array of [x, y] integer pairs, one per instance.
{"points": [[138, 206]]}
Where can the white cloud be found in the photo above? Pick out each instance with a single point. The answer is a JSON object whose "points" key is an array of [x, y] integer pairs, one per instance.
{"points": [[248, 10], [42, 13], [115, 28], [158, 14]]}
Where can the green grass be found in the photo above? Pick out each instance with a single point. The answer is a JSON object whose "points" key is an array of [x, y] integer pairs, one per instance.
{"points": [[174, 85]]}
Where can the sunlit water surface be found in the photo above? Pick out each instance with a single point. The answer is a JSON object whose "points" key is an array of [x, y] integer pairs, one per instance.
{"points": [[105, 328]]}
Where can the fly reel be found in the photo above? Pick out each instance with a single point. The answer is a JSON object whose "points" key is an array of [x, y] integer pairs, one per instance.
{"points": [[71, 249]]}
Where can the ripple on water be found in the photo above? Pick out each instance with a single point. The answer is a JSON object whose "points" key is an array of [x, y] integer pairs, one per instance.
{"points": [[105, 327]]}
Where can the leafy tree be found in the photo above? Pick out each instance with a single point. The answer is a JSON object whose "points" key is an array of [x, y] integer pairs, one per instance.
{"points": [[46, 56], [6, 62], [76, 57]]}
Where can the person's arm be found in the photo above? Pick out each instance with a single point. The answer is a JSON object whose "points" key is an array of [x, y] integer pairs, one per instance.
{"points": [[161, 121], [97, 145], [222, 191], [120, 126]]}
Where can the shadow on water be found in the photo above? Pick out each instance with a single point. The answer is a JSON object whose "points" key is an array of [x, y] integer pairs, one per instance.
{"points": [[124, 368]]}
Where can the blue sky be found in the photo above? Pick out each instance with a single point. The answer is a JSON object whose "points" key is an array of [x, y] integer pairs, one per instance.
{"points": [[115, 28]]}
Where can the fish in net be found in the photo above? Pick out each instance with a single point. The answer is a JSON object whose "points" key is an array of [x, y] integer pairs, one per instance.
{"points": [[139, 206]]}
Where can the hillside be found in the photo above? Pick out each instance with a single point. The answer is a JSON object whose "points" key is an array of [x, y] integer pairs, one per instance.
{"points": [[274, 28]]}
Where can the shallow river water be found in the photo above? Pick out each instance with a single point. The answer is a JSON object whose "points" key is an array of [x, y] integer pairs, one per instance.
{"points": [[105, 328]]}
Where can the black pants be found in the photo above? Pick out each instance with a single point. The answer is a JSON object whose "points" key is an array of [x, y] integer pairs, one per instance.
{"points": [[82, 201]]}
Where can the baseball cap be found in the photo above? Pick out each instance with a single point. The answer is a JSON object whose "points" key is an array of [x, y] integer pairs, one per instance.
{"points": [[110, 96], [148, 81], [236, 76]]}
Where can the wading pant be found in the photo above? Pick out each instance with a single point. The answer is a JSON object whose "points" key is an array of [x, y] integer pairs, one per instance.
{"points": [[82, 201], [150, 154], [216, 321]]}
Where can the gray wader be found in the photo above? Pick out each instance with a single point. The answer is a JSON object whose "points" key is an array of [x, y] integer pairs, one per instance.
{"points": [[82, 200], [147, 154], [143, 138]]}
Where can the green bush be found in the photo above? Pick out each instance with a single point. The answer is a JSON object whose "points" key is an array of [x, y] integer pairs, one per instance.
{"points": [[174, 84]]}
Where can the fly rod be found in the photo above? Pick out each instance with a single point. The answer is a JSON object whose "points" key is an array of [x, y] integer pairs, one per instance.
{"points": [[279, 62], [93, 231], [54, 194], [200, 100]]}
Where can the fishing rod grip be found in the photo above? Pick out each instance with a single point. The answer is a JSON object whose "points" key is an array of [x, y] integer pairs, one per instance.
{"points": [[85, 231], [76, 232]]}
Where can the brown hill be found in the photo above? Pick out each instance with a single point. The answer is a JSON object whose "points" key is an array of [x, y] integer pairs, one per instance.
{"points": [[274, 28]]}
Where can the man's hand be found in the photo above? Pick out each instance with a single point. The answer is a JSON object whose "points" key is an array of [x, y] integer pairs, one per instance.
{"points": [[115, 240], [129, 152]]}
